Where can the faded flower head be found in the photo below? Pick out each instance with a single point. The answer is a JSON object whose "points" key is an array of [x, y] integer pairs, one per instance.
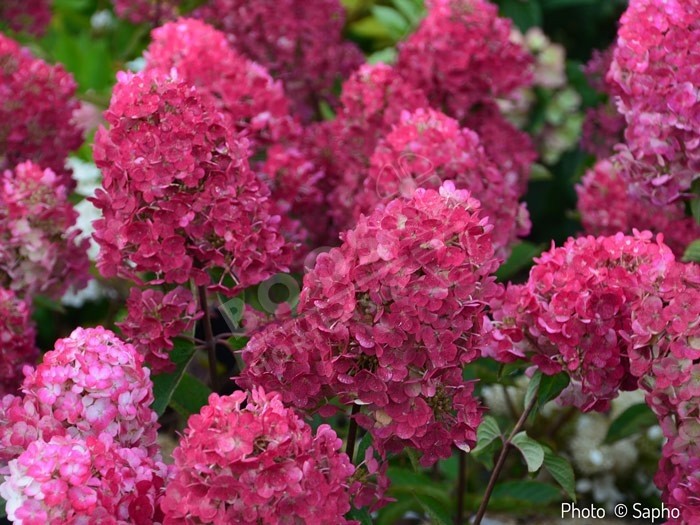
{"points": [[36, 111], [142, 11], [17, 345], [245, 458], [31, 16], [41, 250], [299, 42], [462, 54], [179, 197]]}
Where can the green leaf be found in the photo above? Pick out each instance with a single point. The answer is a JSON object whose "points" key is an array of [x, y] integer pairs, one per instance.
{"points": [[405, 482], [524, 14], [531, 450], [414, 459], [164, 385], [560, 4], [370, 28], [520, 258], [362, 447], [190, 396], [362, 515], [390, 18], [412, 10], [533, 388], [435, 510], [538, 172], [395, 511], [561, 471], [692, 252], [529, 491], [632, 421], [487, 432], [551, 387], [385, 56]]}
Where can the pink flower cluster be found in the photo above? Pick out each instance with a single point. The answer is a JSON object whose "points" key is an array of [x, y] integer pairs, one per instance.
{"points": [[81, 441], [591, 308], [179, 197], [426, 148], [40, 248], [36, 111], [604, 125], [299, 42], [606, 208], [31, 16], [387, 320], [155, 318], [152, 11], [200, 55], [76, 480], [655, 72], [245, 458], [462, 54], [17, 346]]}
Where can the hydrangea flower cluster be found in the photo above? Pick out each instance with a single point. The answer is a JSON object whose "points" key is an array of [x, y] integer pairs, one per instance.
{"points": [[426, 148], [41, 251], [655, 73], [140, 11], [179, 197], [36, 111], [591, 308], [372, 101], [447, 58], [31, 16], [84, 480], [606, 208], [387, 320], [17, 346], [299, 42], [604, 126], [154, 318], [245, 458], [243, 90]]}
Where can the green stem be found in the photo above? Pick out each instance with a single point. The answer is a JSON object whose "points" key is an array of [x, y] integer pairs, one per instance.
{"points": [[502, 460], [210, 342], [352, 432]]}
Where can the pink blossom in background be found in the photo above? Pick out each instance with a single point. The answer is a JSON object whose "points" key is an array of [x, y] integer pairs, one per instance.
{"points": [[299, 42], [40, 248], [84, 480], [655, 74], [510, 149], [154, 319], [426, 148], [17, 341], [387, 321], [31, 16], [36, 111], [606, 208], [243, 90], [146, 11], [448, 59], [178, 196], [371, 102], [245, 458]]}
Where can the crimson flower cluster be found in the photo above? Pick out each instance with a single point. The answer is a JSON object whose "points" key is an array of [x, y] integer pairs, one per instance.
{"points": [[17, 346], [299, 42], [31, 16], [81, 440], [179, 197], [426, 148], [245, 458], [36, 111], [41, 250], [448, 59], [387, 320], [655, 73], [606, 208]]}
